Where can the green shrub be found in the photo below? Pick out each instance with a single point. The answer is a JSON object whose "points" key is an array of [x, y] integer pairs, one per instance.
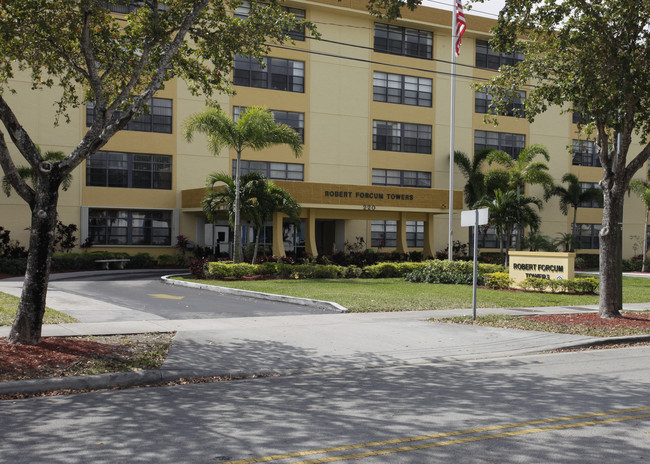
{"points": [[451, 272], [352, 272], [141, 261], [535, 283], [218, 270], [13, 266], [586, 285], [498, 280], [167, 260]]}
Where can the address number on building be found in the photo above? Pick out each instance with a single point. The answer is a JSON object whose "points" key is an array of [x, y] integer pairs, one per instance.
{"points": [[369, 207]]}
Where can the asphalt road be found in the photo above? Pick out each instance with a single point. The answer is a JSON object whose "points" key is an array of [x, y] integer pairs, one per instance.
{"points": [[576, 408], [146, 293]]}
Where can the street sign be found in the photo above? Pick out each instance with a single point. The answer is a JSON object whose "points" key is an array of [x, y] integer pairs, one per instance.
{"points": [[468, 218], [474, 218]]}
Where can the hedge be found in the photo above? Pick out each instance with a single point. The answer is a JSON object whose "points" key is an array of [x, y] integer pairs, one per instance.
{"points": [[452, 272]]}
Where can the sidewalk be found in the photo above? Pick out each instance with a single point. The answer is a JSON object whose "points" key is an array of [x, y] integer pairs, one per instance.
{"points": [[286, 345]]}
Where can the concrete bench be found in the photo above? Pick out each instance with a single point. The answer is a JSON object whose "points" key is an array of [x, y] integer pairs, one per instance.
{"points": [[119, 261]]}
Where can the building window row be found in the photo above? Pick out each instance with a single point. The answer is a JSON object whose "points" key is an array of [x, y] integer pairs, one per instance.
{"points": [[158, 119], [129, 170], [383, 234], [405, 90], [399, 136], [397, 178], [512, 144], [271, 170], [129, 227], [489, 59], [127, 7], [584, 186], [585, 153], [243, 12], [588, 236], [488, 238], [515, 106], [405, 41], [275, 74], [291, 118]]}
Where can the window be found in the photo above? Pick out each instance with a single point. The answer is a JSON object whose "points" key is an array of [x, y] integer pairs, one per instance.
{"points": [[383, 234], [271, 170], [584, 186], [415, 234], [128, 7], [244, 10], [129, 227], [278, 74], [397, 178], [405, 90], [585, 153], [292, 119], [129, 170], [487, 238], [488, 58], [588, 236], [403, 41], [515, 106], [159, 118], [399, 136], [512, 144]]}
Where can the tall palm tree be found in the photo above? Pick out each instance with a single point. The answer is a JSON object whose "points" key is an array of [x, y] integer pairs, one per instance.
{"points": [[524, 170], [28, 173], [267, 198], [642, 189], [509, 209], [571, 196], [255, 130]]}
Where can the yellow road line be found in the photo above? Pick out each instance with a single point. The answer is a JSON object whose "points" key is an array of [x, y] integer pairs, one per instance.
{"points": [[448, 434], [165, 296]]}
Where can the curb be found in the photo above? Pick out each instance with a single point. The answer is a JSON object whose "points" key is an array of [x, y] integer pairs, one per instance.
{"points": [[327, 305]]}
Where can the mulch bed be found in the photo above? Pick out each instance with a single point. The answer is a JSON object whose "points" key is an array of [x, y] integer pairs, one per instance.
{"points": [[629, 320], [53, 357]]}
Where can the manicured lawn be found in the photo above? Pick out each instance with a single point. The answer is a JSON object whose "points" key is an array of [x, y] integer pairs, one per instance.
{"points": [[9, 306], [362, 295]]}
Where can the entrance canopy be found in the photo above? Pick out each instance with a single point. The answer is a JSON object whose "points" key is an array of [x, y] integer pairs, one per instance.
{"points": [[353, 202]]}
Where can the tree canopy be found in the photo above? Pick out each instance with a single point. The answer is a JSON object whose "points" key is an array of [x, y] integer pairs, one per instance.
{"points": [[592, 57]]}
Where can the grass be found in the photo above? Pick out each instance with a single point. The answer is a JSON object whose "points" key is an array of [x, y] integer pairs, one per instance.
{"points": [[524, 323], [9, 306], [371, 295], [140, 352]]}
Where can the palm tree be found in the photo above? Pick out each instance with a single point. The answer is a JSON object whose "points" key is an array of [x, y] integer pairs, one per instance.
{"points": [[509, 209], [474, 188], [28, 173], [223, 197], [524, 170], [255, 129], [267, 198], [642, 189], [572, 196]]}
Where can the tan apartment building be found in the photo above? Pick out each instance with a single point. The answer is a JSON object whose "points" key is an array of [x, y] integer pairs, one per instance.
{"points": [[372, 101]]}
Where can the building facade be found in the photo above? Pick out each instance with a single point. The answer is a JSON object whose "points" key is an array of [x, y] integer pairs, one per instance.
{"points": [[371, 100]]}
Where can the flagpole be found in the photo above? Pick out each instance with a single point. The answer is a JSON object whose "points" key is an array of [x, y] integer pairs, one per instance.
{"points": [[452, 122]]}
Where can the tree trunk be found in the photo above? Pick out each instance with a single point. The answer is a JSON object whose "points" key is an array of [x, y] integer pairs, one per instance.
{"points": [[26, 329], [237, 232], [257, 244], [645, 242], [573, 227], [610, 306]]}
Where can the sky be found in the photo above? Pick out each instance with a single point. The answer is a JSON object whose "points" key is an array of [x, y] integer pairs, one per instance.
{"points": [[489, 9]]}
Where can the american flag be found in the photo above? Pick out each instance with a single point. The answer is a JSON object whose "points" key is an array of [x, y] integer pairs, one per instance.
{"points": [[460, 25]]}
